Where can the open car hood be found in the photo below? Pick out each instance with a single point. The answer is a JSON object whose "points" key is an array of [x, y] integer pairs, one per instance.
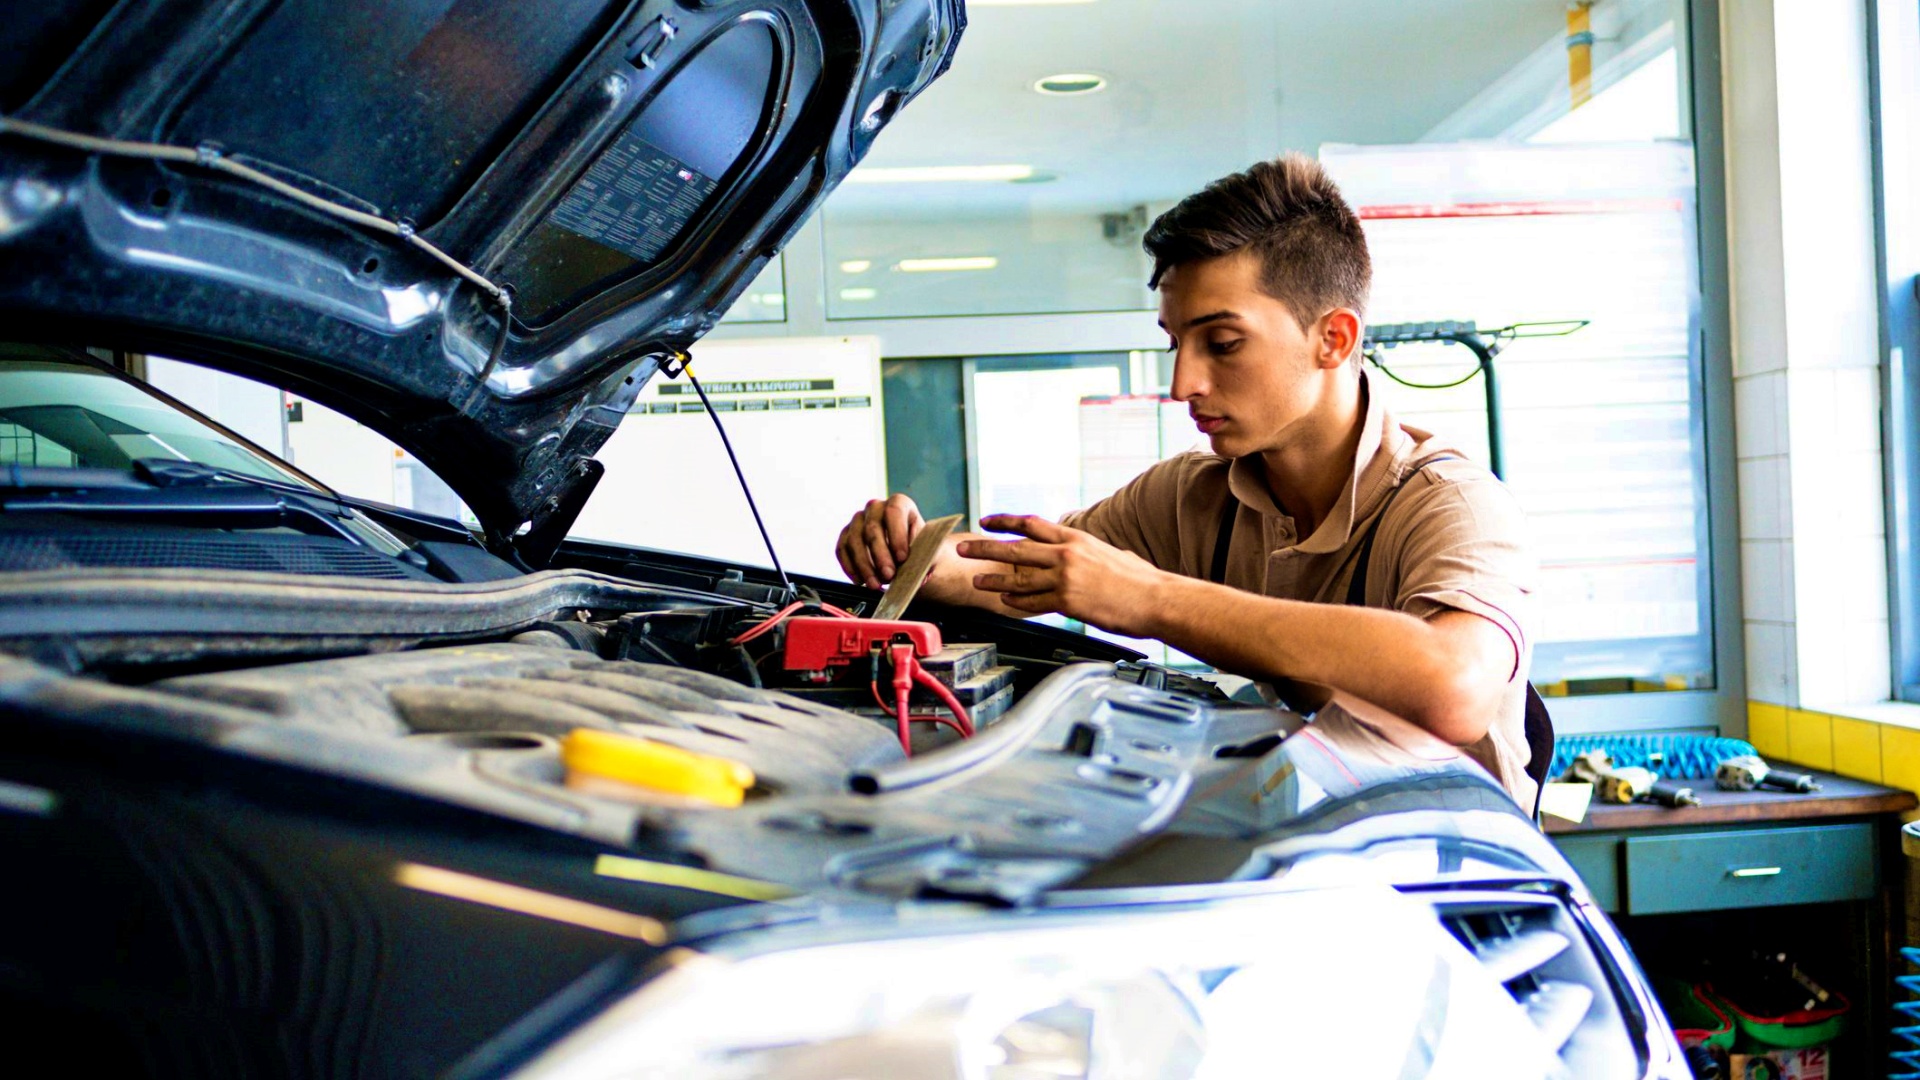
{"points": [[622, 168]]}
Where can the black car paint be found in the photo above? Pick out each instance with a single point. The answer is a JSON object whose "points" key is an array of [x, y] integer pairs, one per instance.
{"points": [[470, 121], [180, 911]]}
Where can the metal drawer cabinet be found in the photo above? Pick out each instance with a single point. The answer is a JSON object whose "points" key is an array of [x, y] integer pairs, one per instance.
{"points": [[1734, 868], [1725, 868], [1597, 860]]}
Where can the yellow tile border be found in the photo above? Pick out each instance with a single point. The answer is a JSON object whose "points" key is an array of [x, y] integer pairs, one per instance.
{"points": [[1767, 728], [1878, 742], [1900, 757], [1856, 748], [1810, 739]]}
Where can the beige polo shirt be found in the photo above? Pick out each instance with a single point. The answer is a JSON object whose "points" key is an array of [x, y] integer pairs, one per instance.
{"points": [[1453, 541]]}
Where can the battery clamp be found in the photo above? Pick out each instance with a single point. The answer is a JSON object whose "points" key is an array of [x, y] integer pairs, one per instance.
{"points": [[817, 644]]}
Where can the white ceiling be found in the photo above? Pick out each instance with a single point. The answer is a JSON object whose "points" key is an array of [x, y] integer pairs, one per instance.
{"points": [[1198, 89]]}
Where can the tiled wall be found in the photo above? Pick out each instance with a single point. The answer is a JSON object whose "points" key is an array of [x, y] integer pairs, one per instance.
{"points": [[1805, 313], [1883, 749]]}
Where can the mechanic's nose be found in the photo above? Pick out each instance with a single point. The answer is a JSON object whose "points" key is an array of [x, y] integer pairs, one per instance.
{"points": [[1189, 378]]}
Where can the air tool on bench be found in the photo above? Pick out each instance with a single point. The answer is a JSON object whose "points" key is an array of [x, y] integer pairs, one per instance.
{"points": [[1629, 783], [1747, 772]]}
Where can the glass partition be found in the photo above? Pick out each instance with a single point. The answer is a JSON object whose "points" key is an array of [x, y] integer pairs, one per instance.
{"points": [[765, 301]]}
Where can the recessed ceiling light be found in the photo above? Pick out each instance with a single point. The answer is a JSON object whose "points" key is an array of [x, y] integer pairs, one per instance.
{"points": [[856, 266], [1072, 82], [937, 266], [860, 293], [938, 174], [1024, 3], [771, 299]]}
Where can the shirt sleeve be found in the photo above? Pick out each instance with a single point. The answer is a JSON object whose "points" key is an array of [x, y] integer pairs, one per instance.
{"points": [[1142, 517], [1461, 545]]}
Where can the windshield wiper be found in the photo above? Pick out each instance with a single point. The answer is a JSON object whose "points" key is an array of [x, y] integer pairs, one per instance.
{"points": [[200, 504], [174, 472]]}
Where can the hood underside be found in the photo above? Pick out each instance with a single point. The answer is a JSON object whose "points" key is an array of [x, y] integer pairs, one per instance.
{"points": [[621, 170]]}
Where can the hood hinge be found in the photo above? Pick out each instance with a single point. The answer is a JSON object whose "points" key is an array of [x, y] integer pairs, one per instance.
{"points": [[562, 508]]}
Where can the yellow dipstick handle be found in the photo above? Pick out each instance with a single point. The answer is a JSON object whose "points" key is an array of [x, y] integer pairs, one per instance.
{"points": [[644, 763]]}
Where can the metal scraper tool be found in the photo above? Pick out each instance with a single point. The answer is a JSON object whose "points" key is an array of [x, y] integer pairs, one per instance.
{"points": [[908, 579]]}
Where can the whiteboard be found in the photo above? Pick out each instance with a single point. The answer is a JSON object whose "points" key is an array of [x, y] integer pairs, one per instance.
{"points": [[804, 415]]}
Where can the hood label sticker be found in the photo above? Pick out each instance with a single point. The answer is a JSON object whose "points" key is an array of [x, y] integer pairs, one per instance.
{"points": [[635, 198]]}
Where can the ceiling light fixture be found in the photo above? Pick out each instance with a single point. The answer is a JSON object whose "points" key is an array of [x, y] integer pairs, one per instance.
{"points": [[1024, 3], [1072, 82], [856, 266], [938, 266], [860, 293], [939, 174]]}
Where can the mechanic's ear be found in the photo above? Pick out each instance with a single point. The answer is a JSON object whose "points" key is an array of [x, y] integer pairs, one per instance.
{"points": [[1339, 337]]}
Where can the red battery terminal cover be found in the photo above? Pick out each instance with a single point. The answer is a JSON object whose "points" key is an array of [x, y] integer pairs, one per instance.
{"points": [[817, 644]]}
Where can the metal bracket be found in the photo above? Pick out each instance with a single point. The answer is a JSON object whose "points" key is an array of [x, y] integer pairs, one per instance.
{"points": [[562, 509], [652, 41]]}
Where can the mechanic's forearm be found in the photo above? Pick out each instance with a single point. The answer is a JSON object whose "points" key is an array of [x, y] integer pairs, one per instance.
{"points": [[951, 580], [1388, 658]]}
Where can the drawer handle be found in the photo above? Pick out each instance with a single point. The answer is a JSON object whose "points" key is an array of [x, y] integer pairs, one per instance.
{"points": [[1754, 871]]}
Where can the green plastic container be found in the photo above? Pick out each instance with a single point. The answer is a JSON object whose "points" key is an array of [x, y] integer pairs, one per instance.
{"points": [[1807, 1027], [1697, 1020]]}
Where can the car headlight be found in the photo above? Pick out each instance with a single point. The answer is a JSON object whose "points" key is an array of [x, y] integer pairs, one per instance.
{"points": [[1335, 982]]}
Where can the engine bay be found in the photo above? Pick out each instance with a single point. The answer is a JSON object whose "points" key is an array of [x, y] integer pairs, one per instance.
{"points": [[1071, 757]]}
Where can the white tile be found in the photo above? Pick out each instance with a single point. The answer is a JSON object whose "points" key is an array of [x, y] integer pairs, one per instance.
{"points": [[1759, 415], [1813, 500], [1817, 580], [1770, 662], [1820, 660], [1856, 402], [1810, 410], [1764, 499], [1869, 661], [1860, 576], [1857, 495], [1766, 590]]}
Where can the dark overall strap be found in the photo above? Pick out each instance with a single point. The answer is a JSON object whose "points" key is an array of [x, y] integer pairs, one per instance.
{"points": [[1223, 539], [1357, 585]]}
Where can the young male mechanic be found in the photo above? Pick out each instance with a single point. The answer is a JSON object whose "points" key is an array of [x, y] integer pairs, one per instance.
{"points": [[1263, 280]]}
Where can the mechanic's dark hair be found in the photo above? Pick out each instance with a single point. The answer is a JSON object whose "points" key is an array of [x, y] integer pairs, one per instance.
{"points": [[1312, 251]]}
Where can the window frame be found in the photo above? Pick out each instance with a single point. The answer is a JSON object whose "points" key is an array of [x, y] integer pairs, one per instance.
{"points": [[1893, 59]]}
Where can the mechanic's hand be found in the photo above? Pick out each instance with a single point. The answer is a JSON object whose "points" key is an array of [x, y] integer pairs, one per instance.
{"points": [[1058, 569], [875, 542]]}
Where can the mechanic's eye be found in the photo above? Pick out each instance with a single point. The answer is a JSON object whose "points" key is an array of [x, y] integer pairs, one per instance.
{"points": [[1224, 348]]}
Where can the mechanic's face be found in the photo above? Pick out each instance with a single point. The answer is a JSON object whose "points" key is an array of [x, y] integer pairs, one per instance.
{"points": [[1249, 374]]}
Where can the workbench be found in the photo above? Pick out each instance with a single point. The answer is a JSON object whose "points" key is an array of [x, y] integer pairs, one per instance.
{"points": [[1817, 874], [1736, 849]]}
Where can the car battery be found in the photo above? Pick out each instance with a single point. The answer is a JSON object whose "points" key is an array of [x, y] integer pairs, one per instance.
{"points": [[972, 671]]}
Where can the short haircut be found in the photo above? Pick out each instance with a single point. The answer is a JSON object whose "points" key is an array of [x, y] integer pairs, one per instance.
{"points": [[1312, 251]]}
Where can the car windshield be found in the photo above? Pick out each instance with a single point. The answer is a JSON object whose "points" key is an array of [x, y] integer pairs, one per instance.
{"points": [[57, 413]]}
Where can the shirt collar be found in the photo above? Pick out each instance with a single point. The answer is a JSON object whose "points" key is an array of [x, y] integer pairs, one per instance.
{"points": [[1377, 461]]}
